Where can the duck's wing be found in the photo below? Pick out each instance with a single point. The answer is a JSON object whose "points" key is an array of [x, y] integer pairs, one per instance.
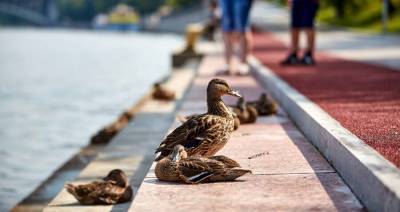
{"points": [[209, 138], [194, 170], [86, 189], [230, 163], [109, 194], [189, 134]]}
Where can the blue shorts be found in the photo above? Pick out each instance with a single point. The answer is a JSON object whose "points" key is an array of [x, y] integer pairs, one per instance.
{"points": [[303, 13], [235, 15]]}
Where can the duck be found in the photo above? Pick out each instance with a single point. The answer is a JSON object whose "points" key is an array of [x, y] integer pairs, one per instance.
{"points": [[207, 133], [179, 167], [108, 132], [112, 190], [162, 93], [236, 122], [246, 113], [265, 105]]}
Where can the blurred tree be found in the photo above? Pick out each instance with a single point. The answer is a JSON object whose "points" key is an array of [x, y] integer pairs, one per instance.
{"points": [[180, 3]]}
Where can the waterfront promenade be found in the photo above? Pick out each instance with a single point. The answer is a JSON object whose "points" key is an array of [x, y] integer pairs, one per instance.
{"points": [[288, 173], [309, 156]]}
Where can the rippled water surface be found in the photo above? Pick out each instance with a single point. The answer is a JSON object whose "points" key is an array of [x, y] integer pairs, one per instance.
{"points": [[58, 87]]}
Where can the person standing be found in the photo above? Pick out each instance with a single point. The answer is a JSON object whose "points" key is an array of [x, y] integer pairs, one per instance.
{"points": [[235, 25], [303, 13]]}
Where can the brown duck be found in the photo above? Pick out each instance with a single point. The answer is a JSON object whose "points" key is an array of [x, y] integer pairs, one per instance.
{"points": [[265, 105], [245, 112], [236, 122], [207, 133], [162, 93], [112, 190], [178, 167]]}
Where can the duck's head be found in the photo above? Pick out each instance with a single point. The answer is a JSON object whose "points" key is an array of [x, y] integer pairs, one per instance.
{"points": [[263, 97], [178, 153], [219, 87], [241, 104], [118, 176], [157, 85]]}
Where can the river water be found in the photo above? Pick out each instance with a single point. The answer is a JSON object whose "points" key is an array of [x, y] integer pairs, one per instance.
{"points": [[58, 87]]}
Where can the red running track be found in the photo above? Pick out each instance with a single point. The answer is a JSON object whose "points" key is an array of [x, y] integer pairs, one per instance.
{"points": [[364, 98]]}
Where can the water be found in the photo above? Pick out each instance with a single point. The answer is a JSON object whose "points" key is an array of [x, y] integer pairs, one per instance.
{"points": [[58, 87]]}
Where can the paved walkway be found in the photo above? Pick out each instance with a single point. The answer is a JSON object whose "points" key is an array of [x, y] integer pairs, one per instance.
{"points": [[376, 49], [364, 98], [288, 172]]}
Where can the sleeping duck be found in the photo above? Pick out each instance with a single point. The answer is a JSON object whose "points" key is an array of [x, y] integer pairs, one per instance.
{"points": [[265, 105], [162, 93], [178, 167], [246, 113], [112, 190], [206, 133]]}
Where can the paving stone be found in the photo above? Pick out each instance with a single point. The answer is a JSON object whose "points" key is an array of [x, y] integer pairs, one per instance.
{"points": [[295, 192]]}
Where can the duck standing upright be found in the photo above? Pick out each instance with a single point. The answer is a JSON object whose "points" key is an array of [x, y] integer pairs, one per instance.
{"points": [[114, 189], [207, 133], [178, 167]]}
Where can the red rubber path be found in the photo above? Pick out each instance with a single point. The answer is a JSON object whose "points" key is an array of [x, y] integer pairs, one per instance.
{"points": [[364, 98]]}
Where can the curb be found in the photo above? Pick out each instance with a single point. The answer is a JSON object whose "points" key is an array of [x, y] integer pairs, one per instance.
{"points": [[374, 180]]}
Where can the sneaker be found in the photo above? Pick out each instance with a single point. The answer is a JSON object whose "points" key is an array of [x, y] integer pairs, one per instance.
{"points": [[290, 60], [307, 59], [243, 69]]}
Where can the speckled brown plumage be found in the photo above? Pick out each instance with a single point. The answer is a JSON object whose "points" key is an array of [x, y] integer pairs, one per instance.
{"points": [[114, 189], [236, 121], [265, 105], [207, 133], [246, 113], [178, 167], [162, 93]]}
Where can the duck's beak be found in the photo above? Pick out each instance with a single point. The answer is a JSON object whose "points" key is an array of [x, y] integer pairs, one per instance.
{"points": [[234, 93]]}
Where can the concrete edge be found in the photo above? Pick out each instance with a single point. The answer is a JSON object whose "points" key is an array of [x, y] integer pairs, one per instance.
{"points": [[374, 180]]}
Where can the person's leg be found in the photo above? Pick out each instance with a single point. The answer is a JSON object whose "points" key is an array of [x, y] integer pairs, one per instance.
{"points": [[228, 41], [245, 40], [242, 22], [310, 39], [227, 25], [294, 45], [292, 59], [309, 15]]}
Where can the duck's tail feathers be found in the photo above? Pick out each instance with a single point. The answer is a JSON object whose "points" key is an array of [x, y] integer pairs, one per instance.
{"points": [[236, 173]]}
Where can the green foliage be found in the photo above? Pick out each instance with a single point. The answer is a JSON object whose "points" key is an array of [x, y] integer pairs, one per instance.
{"points": [[359, 14], [180, 3]]}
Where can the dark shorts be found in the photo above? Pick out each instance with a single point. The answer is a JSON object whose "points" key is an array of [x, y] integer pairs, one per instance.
{"points": [[235, 15], [303, 13]]}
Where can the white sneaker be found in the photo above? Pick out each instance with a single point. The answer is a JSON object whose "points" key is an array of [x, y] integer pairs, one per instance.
{"points": [[244, 69]]}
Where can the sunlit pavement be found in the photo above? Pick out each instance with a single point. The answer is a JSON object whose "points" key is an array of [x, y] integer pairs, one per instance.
{"points": [[288, 172]]}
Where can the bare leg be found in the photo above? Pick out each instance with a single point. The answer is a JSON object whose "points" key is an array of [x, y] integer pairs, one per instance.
{"points": [[228, 41], [310, 40], [245, 39], [295, 33]]}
